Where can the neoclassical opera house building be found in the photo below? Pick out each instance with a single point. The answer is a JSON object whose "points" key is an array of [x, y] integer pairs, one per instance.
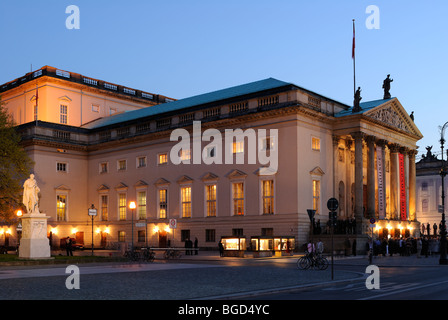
{"points": [[102, 144]]}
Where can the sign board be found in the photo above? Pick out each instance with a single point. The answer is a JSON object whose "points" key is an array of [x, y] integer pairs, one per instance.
{"points": [[332, 204], [92, 212], [140, 224], [311, 214], [440, 208], [173, 224], [19, 227]]}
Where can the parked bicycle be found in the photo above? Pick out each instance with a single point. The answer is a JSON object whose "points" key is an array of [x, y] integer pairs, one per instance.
{"points": [[172, 254], [148, 255], [131, 255], [312, 260], [145, 254]]}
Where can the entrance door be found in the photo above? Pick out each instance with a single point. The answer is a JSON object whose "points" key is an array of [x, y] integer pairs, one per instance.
{"points": [[162, 239], [79, 237], [103, 239]]}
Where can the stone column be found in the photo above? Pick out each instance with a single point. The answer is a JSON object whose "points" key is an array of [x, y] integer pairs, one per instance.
{"points": [[382, 197], [412, 185], [371, 177], [348, 178], [359, 207], [394, 182]]}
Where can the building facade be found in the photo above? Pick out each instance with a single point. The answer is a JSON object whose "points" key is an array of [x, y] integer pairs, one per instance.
{"points": [[244, 161], [429, 192]]}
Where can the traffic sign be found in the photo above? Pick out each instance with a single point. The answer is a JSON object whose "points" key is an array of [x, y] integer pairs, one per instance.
{"points": [[372, 221], [92, 212], [332, 204], [173, 224]]}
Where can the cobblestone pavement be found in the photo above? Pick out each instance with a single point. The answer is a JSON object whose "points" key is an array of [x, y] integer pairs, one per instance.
{"points": [[189, 278], [192, 277]]}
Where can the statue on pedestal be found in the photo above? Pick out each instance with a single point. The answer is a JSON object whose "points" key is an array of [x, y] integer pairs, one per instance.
{"points": [[31, 195], [386, 87], [357, 100]]}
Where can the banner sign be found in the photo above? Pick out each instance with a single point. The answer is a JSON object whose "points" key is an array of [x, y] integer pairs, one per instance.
{"points": [[379, 169], [403, 206]]}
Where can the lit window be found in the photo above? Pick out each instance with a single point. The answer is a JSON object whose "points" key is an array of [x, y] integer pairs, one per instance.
{"points": [[238, 146], [268, 196], [238, 198], [186, 201], [141, 205], [61, 207], [163, 158], [315, 144], [104, 208], [210, 191], [185, 154], [122, 236], [122, 206], [163, 204], [316, 195]]}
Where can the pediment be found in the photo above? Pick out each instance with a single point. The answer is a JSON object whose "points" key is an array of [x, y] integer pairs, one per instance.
{"points": [[121, 187], [209, 176], [393, 114], [235, 174], [62, 187], [141, 184], [161, 182], [103, 188], [65, 98], [317, 171], [184, 179]]}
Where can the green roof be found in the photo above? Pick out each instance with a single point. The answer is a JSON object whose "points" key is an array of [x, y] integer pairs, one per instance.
{"points": [[198, 100], [365, 106]]}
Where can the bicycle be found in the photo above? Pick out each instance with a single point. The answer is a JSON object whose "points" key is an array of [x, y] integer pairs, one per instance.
{"points": [[131, 255], [312, 260], [172, 254], [148, 255]]}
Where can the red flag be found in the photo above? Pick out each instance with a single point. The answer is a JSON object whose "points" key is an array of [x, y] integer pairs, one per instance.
{"points": [[353, 46]]}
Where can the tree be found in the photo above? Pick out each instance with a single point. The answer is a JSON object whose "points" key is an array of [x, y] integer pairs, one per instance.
{"points": [[15, 166]]}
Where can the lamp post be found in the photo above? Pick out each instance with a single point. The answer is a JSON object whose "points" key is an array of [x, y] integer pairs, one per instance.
{"points": [[443, 259], [132, 206], [92, 213]]}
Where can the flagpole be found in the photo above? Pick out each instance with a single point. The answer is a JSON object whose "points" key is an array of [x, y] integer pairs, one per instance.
{"points": [[354, 60]]}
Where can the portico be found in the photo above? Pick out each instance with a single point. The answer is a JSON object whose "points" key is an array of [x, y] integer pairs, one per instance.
{"points": [[381, 142]]}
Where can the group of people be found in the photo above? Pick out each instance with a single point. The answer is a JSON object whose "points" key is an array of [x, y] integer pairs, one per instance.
{"points": [[189, 245], [426, 229], [422, 246]]}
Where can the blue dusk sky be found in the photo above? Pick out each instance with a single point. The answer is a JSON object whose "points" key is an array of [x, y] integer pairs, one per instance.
{"points": [[181, 48]]}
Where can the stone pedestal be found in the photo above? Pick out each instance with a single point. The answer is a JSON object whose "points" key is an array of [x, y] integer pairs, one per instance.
{"points": [[34, 243]]}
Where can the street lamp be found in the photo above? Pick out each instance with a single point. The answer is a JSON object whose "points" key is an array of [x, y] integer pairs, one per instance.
{"points": [[443, 259], [132, 206]]}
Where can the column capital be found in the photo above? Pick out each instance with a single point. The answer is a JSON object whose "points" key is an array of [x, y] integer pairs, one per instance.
{"points": [[381, 142], [370, 139], [336, 140], [412, 153], [358, 135], [394, 147]]}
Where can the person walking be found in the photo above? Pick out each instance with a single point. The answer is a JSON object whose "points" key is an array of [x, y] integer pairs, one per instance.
{"points": [[69, 246], [221, 249]]}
